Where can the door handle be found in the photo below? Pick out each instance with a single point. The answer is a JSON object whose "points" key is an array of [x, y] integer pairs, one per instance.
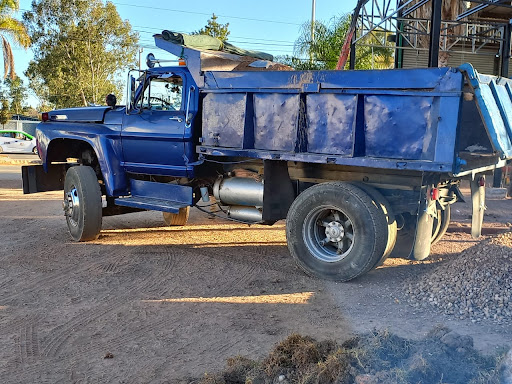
{"points": [[177, 118]]}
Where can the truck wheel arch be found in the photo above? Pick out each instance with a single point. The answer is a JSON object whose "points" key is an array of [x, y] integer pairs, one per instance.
{"points": [[60, 150]]}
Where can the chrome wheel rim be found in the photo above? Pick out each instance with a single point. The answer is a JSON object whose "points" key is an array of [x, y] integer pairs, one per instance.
{"points": [[328, 234], [72, 206]]}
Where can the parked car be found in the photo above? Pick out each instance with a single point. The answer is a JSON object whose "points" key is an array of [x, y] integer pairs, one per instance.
{"points": [[17, 142]]}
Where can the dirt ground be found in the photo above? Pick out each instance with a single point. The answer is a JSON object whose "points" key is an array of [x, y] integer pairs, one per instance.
{"points": [[169, 304]]}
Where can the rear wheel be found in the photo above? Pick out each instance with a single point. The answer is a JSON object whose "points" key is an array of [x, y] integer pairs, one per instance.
{"points": [[441, 224], [177, 219], [34, 150], [390, 223], [82, 203], [335, 231]]}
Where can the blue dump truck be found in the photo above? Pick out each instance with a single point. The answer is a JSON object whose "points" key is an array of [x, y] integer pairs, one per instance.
{"points": [[362, 164]]}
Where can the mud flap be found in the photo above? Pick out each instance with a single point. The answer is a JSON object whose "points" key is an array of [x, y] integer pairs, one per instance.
{"points": [[424, 225], [278, 193], [35, 179], [478, 201], [415, 234]]}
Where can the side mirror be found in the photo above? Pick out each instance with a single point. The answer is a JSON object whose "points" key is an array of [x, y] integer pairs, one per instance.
{"points": [[132, 91], [150, 60]]}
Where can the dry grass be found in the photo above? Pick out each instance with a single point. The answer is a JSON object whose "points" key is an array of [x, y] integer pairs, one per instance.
{"points": [[386, 358]]}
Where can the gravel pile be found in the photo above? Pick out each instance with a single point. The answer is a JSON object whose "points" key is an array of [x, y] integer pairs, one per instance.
{"points": [[476, 285]]}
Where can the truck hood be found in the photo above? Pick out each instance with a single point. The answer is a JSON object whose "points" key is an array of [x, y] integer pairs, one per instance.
{"points": [[86, 114]]}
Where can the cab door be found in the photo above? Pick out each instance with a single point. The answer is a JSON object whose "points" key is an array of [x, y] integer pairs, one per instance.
{"points": [[154, 127]]}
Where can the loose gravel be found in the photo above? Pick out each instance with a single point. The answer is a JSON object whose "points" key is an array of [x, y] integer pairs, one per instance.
{"points": [[476, 285]]}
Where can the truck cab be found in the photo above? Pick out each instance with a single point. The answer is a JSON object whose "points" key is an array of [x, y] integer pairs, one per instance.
{"points": [[156, 133]]}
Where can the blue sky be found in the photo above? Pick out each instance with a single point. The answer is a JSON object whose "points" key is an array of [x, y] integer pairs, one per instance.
{"points": [[265, 25]]}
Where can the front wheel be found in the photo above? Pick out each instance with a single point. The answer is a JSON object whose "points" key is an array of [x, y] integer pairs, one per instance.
{"points": [[335, 231], [34, 151], [82, 203]]}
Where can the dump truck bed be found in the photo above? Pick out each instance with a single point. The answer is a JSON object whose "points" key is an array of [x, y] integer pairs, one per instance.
{"points": [[448, 120]]}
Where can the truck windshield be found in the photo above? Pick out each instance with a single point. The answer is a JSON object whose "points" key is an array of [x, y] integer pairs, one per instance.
{"points": [[163, 93]]}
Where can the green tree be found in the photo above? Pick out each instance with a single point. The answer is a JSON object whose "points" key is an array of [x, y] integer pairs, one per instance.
{"points": [[17, 93], [325, 49], [14, 30], [4, 113], [213, 28], [31, 112], [81, 48]]}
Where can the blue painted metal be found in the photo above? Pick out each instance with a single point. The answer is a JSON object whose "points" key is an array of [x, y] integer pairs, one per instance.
{"points": [[149, 203], [396, 119], [360, 118], [432, 79], [416, 165], [88, 114], [492, 95], [157, 196], [275, 121], [104, 140], [159, 142], [331, 123], [224, 116], [164, 191], [401, 127]]}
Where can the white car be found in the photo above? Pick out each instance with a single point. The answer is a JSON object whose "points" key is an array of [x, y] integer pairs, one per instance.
{"points": [[17, 142]]}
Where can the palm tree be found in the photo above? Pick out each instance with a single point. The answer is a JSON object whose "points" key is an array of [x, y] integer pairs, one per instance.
{"points": [[329, 37], [11, 29]]}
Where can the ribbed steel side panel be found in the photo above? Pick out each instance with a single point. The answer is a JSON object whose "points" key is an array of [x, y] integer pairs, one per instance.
{"points": [[483, 63]]}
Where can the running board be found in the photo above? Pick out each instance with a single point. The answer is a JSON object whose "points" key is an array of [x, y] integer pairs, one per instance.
{"points": [[157, 196]]}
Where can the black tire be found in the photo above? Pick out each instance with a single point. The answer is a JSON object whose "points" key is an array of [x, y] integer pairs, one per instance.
{"points": [[82, 203], [177, 219], [390, 224], [347, 218], [441, 224], [34, 150]]}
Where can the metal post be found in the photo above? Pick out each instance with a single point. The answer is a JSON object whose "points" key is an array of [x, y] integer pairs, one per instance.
{"points": [[505, 54], [352, 64], [140, 52], [505, 58], [435, 33], [399, 52], [313, 9]]}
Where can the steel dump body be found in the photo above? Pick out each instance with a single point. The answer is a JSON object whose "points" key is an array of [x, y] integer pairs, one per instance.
{"points": [[393, 119]]}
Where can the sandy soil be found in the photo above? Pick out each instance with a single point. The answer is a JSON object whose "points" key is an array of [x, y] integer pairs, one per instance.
{"points": [[169, 304]]}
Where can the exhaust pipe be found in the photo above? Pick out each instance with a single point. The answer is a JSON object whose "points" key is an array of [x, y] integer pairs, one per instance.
{"points": [[243, 195], [239, 191]]}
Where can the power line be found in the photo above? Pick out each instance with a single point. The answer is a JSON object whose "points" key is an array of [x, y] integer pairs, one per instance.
{"points": [[230, 36], [206, 14]]}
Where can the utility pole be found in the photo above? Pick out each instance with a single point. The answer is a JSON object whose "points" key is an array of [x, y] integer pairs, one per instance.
{"points": [[140, 52], [313, 8]]}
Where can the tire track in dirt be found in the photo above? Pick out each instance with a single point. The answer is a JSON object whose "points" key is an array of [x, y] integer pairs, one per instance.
{"points": [[164, 266], [153, 279], [28, 344], [25, 348], [63, 273]]}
